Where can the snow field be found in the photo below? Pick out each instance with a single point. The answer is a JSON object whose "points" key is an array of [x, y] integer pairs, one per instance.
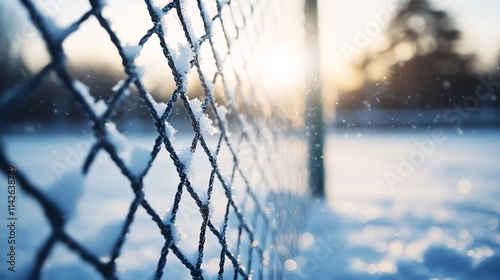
{"points": [[95, 205]]}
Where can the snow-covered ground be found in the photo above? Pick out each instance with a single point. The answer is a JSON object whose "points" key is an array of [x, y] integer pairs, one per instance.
{"points": [[401, 205], [406, 205], [96, 205]]}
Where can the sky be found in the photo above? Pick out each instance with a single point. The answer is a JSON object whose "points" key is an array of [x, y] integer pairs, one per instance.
{"points": [[347, 29], [478, 21]]}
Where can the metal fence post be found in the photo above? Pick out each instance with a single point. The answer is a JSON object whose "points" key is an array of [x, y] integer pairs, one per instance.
{"points": [[314, 105]]}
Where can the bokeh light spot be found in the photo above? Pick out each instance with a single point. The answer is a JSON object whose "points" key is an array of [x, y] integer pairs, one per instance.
{"points": [[464, 186], [290, 265]]}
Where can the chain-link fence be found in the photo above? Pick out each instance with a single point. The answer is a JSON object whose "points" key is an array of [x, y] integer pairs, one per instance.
{"points": [[228, 204]]}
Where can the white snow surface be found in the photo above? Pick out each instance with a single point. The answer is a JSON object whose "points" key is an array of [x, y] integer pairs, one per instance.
{"points": [[103, 241], [98, 106], [160, 107], [67, 191], [441, 222], [170, 130], [202, 118], [193, 21], [118, 85], [182, 56], [118, 140], [136, 156], [132, 51], [186, 158], [139, 159], [180, 49]]}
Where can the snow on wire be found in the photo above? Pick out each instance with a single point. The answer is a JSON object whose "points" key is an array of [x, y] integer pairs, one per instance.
{"points": [[270, 213]]}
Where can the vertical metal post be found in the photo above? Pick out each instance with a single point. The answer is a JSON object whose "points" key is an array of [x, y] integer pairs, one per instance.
{"points": [[314, 105]]}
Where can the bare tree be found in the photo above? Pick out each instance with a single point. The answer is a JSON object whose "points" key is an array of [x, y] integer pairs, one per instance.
{"points": [[423, 68]]}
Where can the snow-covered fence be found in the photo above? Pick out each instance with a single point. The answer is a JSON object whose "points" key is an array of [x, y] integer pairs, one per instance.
{"points": [[250, 208]]}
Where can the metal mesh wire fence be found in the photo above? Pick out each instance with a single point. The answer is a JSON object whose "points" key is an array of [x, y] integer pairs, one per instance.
{"points": [[248, 209]]}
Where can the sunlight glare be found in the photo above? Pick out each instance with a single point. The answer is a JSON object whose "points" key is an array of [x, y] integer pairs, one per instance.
{"points": [[280, 68]]}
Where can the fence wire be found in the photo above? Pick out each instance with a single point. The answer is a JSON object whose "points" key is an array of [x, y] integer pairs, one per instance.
{"points": [[264, 182]]}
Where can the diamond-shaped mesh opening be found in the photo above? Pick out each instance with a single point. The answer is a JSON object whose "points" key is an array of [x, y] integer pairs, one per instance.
{"points": [[187, 227], [219, 209], [181, 164], [142, 247], [100, 194], [156, 73], [130, 20], [55, 267], [91, 38], [161, 182], [171, 271], [195, 88]]}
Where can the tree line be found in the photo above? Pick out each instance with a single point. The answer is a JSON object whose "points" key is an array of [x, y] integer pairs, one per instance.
{"points": [[422, 68]]}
